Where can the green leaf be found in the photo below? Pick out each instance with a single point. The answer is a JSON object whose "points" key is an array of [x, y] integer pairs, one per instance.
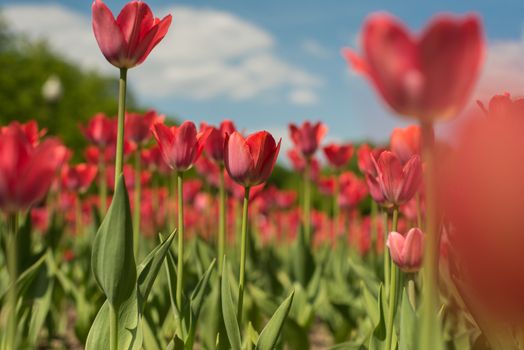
{"points": [[112, 259], [197, 297], [408, 324], [370, 303], [269, 335], [228, 309], [378, 338]]}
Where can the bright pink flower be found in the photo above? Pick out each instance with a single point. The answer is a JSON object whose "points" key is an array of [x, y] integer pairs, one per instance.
{"points": [[405, 142], [249, 161], [406, 252], [79, 177], [138, 126], [26, 171], [338, 155], [412, 73], [394, 184], [100, 130], [127, 40], [180, 145], [215, 142], [307, 137]]}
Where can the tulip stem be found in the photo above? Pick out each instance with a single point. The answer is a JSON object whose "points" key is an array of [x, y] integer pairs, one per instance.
{"points": [[221, 221], [243, 249], [137, 201], [386, 253], [180, 266], [113, 327], [307, 201], [12, 265], [102, 183], [392, 291], [374, 230], [336, 207], [429, 300], [119, 161]]}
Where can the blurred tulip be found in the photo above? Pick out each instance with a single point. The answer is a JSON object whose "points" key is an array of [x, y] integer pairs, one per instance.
{"points": [[407, 251], [215, 142], [79, 177], [127, 40], [26, 171], [405, 142], [501, 106], [180, 145], [365, 155], [412, 73], [337, 155], [352, 190], [138, 126], [394, 184], [31, 131], [100, 130], [307, 137], [250, 161], [326, 185]]}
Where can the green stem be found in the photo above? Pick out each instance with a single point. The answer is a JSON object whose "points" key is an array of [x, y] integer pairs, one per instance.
{"points": [[113, 327], [243, 249], [392, 292], [336, 208], [171, 201], [137, 201], [411, 289], [373, 229], [12, 266], [221, 221], [102, 182], [387, 259], [119, 161], [307, 201], [419, 210], [430, 270], [180, 266]]}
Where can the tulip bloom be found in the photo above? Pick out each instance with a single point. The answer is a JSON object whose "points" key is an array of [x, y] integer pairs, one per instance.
{"points": [[406, 142], [100, 130], [249, 161], [338, 155], [215, 142], [26, 171], [365, 155], [127, 40], [138, 126], [180, 145], [394, 184], [307, 137], [407, 251], [501, 106], [31, 131], [78, 178], [412, 73]]}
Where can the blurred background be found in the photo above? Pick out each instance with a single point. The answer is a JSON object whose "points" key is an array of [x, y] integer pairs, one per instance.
{"points": [[261, 64]]}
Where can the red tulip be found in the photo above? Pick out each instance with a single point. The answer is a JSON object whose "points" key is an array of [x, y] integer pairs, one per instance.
{"points": [[365, 155], [352, 190], [405, 143], [307, 137], [129, 173], [215, 142], [503, 106], [127, 40], [138, 126], [26, 171], [78, 178], [427, 77], [406, 252], [100, 130], [249, 161], [31, 131], [394, 184], [326, 185], [299, 163], [338, 155], [180, 145]]}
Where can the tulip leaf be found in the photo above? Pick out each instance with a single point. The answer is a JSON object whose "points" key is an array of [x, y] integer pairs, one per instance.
{"points": [[269, 335], [229, 312], [378, 338], [408, 324], [112, 259], [370, 304]]}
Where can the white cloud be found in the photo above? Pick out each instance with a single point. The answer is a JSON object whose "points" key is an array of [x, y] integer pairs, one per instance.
{"points": [[303, 97], [316, 49], [206, 54]]}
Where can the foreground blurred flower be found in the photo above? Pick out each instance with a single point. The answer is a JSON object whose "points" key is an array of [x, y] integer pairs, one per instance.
{"points": [[26, 171], [501, 106], [180, 145], [338, 155], [249, 161], [405, 142], [407, 251], [412, 74], [127, 40], [307, 137], [31, 130], [79, 177], [394, 184]]}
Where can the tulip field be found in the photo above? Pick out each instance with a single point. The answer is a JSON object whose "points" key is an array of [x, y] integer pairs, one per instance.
{"points": [[164, 234]]}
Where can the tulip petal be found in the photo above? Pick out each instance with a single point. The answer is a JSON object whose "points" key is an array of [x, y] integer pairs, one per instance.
{"points": [[237, 158], [135, 20], [412, 179], [413, 248], [390, 176], [396, 244], [107, 33]]}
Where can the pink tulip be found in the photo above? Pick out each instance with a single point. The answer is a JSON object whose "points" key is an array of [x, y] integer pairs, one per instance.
{"points": [[405, 142], [215, 142], [180, 145], [127, 40], [338, 155], [394, 184], [307, 137], [26, 171], [406, 252], [412, 73], [249, 161], [365, 155]]}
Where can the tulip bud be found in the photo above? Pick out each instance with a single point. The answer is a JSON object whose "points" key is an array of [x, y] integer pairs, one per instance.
{"points": [[406, 252]]}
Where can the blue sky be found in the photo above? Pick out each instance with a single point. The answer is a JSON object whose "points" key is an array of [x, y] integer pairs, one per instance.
{"points": [[266, 63]]}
